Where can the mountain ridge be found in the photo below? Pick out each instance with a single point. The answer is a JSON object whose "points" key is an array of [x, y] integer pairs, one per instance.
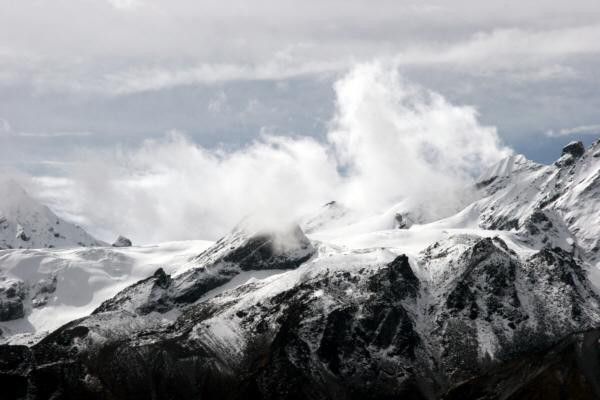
{"points": [[355, 309]]}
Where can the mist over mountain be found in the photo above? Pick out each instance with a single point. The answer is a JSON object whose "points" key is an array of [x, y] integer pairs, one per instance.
{"points": [[485, 302], [386, 138], [286, 200]]}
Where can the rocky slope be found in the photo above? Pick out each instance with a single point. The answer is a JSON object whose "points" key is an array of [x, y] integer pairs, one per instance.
{"points": [[42, 289], [27, 224], [499, 301]]}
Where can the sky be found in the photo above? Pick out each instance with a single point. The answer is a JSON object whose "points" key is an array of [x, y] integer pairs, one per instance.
{"points": [[105, 105]]}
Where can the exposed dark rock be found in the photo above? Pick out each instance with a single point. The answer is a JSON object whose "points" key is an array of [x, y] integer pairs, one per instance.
{"points": [[362, 333], [568, 370], [12, 296], [401, 222], [122, 241], [502, 223], [486, 182], [241, 251], [148, 295], [43, 290], [23, 236], [575, 149], [262, 251], [194, 284]]}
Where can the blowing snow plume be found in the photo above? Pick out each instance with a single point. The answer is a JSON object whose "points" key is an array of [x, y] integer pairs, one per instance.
{"points": [[390, 141]]}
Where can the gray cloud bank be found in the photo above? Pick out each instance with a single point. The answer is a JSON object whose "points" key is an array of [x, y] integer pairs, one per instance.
{"points": [[89, 88], [119, 47], [386, 138]]}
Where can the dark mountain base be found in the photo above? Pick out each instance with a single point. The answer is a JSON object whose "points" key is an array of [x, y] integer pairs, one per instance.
{"points": [[568, 370]]}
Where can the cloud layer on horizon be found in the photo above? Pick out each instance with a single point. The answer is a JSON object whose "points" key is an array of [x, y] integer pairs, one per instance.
{"points": [[387, 137]]}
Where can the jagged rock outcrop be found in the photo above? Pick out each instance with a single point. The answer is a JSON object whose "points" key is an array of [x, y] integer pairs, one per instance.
{"points": [[575, 149], [242, 250], [518, 193], [504, 312], [12, 297], [146, 296], [43, 290], [344, 332], [122, 241]]}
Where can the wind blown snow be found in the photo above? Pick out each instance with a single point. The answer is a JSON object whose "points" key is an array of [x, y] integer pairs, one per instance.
{"points": [[390, 142]]}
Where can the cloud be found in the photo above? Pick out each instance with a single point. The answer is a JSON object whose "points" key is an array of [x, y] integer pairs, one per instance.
{"points": [[579, 130], [55, 134], [125, 4], [6, 130], [524, 54], [510, 49], [387, 138], [217, 103], [393, 136], [143, 79], [183, 42]]}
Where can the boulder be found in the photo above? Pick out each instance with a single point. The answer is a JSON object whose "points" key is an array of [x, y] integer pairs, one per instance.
{"points": [[122, 241]]}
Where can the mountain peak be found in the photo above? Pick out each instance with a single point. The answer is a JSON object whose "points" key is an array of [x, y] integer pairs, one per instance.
{"points": [[26, 223], [507, 166], [575, 149]]}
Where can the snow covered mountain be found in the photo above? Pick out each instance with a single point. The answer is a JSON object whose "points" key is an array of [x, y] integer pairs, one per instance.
{"points": [[27, 224], [42, 289], [500, 300]]}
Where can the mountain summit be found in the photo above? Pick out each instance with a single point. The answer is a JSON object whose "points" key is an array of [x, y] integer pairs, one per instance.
{"points": [[25, 223]]}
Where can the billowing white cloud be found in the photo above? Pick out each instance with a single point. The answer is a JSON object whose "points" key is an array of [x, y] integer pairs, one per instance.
{"points": [[401, 141], [390, 141]]}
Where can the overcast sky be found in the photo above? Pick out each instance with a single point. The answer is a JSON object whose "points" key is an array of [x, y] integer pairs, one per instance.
{"points": [[92, 76]]}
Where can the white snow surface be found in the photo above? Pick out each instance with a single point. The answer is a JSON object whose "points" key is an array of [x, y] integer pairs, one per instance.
{"points": [[85, 277], [25, 223], [568, 195]]}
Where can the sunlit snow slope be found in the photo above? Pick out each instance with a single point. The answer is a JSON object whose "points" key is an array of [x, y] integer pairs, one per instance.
{"points": [[27, 224], [55, 286]]}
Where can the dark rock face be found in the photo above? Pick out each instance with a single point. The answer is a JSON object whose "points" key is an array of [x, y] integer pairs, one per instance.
{"points": [[42, 291], [148, 295], [194, 284], [501, 223], [377, 332], [485, 183], [568, 370], [241, 251], [297, 356], [23, 236], [12, 296], [218, 265], [122, 241], [261, 252], [400, 222], [570, 154], [575, 149]]}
